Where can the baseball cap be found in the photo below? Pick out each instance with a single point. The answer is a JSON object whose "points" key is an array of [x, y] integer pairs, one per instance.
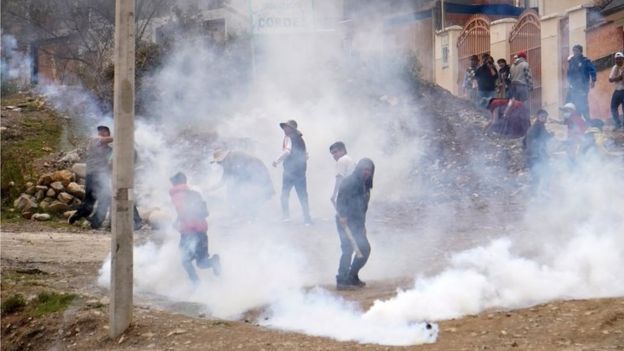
{"points": [[568, 106]]}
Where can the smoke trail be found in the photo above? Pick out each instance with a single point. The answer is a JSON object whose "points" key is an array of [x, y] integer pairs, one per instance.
{"points": [[573, 250]]}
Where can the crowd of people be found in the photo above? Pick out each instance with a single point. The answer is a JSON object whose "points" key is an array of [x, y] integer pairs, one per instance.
{"points": [[505, 92], [248, 187]]}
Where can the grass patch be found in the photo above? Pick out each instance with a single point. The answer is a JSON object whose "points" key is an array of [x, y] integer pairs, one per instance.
{"points": [[51, 302], [23, 143], [12, 304]]}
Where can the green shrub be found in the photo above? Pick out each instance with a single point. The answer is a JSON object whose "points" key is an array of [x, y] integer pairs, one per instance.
{"points": [[13, 304], [50, 302]]}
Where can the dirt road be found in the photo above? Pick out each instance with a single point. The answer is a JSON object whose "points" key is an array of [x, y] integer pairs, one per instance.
{"points": [[68, 262]]}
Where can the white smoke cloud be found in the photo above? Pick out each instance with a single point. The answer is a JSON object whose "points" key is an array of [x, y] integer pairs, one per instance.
{"points": [[14, 64], [567, 247]]}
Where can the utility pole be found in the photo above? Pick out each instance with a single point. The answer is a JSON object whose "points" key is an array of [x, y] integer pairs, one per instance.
{"points": [[123, 170]]}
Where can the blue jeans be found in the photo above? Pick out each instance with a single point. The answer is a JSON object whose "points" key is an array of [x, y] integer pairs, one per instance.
{"points": [[485, 96], [194, 247], [349, 266]]}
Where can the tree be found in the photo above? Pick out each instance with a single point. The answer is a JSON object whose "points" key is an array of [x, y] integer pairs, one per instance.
{"points": [[77, 33]]}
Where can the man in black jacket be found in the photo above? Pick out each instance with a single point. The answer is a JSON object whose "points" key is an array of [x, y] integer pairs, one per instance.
{"points": [[486, 76], [581, 77], [295, 158], [351, 205]]}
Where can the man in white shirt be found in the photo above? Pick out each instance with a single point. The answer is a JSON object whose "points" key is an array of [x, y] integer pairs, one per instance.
{"points": [[617, 77], [344, 166]]}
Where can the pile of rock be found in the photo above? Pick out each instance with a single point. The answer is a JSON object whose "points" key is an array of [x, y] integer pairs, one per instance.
{"points": [[56, 193]]}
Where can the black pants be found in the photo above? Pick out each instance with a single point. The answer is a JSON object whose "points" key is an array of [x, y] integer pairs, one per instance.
{"points": [[617, 99], [300, 183], [350, 266], [98, 195], [579, 99]]}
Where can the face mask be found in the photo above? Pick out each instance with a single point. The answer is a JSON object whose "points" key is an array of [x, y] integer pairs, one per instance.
{"points": [[567, 114]]}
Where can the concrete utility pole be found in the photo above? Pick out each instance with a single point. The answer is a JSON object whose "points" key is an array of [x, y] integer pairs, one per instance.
{"points": [[123, 170]]}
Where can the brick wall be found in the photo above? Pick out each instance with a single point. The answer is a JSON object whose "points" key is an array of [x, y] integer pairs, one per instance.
{"points": [[603, 41]]}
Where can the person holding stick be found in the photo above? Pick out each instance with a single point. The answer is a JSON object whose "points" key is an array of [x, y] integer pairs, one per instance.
{"points": [[352, 205]]}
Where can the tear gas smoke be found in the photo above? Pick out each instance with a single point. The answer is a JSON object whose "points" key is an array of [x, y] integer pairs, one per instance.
{"points": [[567, 246]]}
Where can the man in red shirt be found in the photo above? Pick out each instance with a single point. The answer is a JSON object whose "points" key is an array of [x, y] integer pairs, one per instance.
{"points": [[192, 225]]}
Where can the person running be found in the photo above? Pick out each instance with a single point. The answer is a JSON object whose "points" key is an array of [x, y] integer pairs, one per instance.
{"points": [[193, 227]]}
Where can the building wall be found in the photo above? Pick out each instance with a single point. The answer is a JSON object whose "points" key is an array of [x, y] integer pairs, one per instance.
{"points": [[552, 7], [603, 41]]}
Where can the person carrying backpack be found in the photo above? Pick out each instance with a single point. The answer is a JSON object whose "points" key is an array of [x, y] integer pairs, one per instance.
{"points": [[192, 225]]}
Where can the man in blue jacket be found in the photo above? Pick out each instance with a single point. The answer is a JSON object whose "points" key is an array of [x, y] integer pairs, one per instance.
{"points": [[581, 77]]}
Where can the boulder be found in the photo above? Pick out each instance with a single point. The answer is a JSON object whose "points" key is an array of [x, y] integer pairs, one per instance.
{"points": [[41, 217], [64, 176], [71, 157], [39, 195], [30, 190], [51, 193], [65, 197], [80, 169], [41, 187], [158, 218], [45, 204], [58, 207], [68, 214], [45, 179], [57, 186], [76, 190], [27, 214], [29, 184], [25, 203], [75, 202]]}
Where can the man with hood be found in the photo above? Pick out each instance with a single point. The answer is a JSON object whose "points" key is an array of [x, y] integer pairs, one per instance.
{"points": [[581, 77], [521, 80], [352, 205], [192, 225], [247, 180], [294, 157]]}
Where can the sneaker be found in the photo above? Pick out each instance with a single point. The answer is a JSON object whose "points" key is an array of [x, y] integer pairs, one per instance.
{"points": [[345, 286], [215, 263], [73, 218], [357, 282]]}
